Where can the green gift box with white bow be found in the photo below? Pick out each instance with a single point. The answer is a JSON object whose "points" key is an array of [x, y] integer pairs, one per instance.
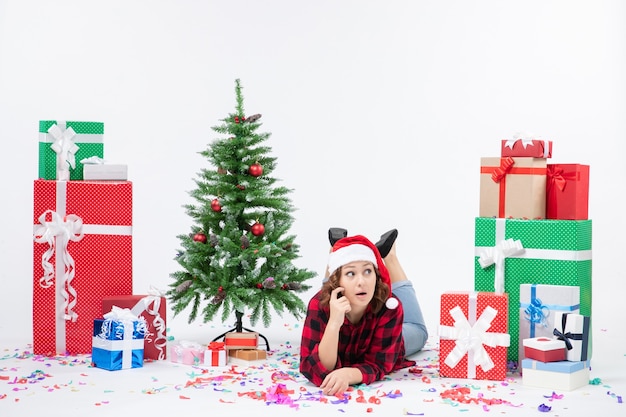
{"points": [[511, 252], [63, 144]]}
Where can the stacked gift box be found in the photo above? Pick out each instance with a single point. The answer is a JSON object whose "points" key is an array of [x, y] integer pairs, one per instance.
{"points": [[82, 232], [533, 243]]}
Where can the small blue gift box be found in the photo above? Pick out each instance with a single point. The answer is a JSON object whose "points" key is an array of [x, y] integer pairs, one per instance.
{"points": [[118, 344]]}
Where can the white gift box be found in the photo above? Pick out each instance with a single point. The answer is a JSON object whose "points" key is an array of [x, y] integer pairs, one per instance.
{"points": [[116, 172], [574, 331], [562, 375]]}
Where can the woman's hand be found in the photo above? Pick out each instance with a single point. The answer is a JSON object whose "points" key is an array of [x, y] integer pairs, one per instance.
{"points": [[338, 381], [339, 306]]}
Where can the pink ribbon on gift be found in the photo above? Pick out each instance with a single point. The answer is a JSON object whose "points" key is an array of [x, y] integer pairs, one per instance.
{"points": [[471, 335], [65, 149], [154, 300]]}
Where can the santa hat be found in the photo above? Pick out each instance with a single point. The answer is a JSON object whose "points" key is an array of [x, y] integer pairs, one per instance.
{"points": [[359, 248]]}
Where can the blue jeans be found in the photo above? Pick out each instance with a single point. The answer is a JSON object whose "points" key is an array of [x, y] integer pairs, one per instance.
{"points": [[413, 328]]}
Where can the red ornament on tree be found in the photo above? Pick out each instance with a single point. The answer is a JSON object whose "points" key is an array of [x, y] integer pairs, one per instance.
{"points": [[241, 187], [200, 237], [256, 170], [215, 205], [257, 229]]}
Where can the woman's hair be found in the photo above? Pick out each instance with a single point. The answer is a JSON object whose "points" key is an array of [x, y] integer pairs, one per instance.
{"points": [[381, 292]]}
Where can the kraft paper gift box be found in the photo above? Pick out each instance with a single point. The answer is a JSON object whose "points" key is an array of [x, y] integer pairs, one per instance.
{"points": [[538, 307], [473, 337], [544, 349], [554, 252], [152, 308], [241, 340], [247, 354], [82, 252], [555, 376], [105, 172], [187, 352], [63, 144], [573, 330], [215, 354], [522, 147], [118, 341], [567, 192], [513, 187]]}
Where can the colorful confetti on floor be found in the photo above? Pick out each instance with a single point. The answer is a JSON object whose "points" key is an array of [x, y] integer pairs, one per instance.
{"points": [[31, 382]]}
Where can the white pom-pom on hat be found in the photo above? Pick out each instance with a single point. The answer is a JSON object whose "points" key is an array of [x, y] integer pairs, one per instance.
{"points": [[392, 303]]}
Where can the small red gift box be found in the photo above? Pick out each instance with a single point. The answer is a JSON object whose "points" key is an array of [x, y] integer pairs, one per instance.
{"points": [[241, 340], [534, 148], [82, 252], [473, 338], [544, 349], [215, 354], [152, 308], [513, 188], [567, 192]]}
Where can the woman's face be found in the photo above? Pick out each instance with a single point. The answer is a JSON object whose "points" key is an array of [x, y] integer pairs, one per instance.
{"points": [[359, 282]]}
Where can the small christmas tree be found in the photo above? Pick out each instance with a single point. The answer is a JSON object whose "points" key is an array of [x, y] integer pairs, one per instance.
{"points": [[238, 256]]}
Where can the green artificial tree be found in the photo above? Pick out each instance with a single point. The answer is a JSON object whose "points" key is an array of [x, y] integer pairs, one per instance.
{"points": [[238, 256]]}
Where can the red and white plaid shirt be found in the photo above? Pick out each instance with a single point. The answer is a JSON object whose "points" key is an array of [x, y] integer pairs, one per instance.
{"points": [[374, 345]]}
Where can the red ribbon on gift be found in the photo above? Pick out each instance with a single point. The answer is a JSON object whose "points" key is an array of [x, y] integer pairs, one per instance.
{"points": [[216, 346], [557, 177], [498, 175]]}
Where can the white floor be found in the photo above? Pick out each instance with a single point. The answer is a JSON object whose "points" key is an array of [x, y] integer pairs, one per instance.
{"points": [[69, 386]]}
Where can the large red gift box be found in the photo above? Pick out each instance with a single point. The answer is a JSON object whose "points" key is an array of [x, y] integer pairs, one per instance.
{"points": [[513, 188], [473, 338], [152, 308], [567, 192], [82, 252]]}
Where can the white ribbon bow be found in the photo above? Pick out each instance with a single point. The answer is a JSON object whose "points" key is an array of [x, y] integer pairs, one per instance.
{"points": [[470, 339], [496, 255], [153, 299], [64, 147], [57, 234], [525, 138]]}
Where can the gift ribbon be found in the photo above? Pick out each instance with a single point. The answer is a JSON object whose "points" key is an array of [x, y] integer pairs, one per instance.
{"points": [[57, 233], [499, 173], [471, 335], [497, 255], [557, 177], [566, 336], [68, 227], [153, 299], [64, 147], [531, 253], [536, 312]]}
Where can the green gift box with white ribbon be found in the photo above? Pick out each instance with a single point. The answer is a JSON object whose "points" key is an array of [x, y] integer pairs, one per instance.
{"points": [[63, 144], [511, 252]]}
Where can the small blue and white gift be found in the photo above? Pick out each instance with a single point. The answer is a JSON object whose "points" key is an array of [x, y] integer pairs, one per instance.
{"points": [[118, 340]]}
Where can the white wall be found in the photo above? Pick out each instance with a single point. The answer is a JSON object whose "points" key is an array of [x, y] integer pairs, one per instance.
{"points": [[379, 113]]}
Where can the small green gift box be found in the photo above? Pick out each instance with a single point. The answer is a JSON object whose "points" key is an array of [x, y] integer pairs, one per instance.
{"points": [[62, 145], [511, 252]]}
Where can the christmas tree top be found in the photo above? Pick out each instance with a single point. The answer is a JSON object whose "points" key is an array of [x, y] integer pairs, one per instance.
{"points": [[238, 256]]}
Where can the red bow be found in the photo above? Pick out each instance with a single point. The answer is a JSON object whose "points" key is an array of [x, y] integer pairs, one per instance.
{"points": [[555, 176], [505, 166], [216, 346]]}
